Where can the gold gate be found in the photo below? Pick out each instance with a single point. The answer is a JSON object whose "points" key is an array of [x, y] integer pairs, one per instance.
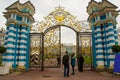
{"points": [[35, 50], [45, 55], [85, 48], [52, 48]]}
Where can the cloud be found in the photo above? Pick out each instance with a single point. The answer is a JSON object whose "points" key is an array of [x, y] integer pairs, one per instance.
{"points": [[68, 35], [44, 7]]}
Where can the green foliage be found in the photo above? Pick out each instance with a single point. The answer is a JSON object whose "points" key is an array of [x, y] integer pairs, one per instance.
{"points": [[116, 48], [2, 49], [88, 60]]}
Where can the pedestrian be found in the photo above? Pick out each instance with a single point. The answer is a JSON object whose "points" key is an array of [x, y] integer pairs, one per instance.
{"points": [[65, 62], [80, 63], [58, 60], [73, 61]]}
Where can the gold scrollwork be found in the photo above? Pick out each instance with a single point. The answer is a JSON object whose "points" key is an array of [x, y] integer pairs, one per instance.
{"points": [[60, 17], [86, 45]]}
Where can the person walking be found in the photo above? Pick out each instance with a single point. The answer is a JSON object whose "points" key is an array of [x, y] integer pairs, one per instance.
{"points": [[58, 60], [73, 61], [80, 63], [65, 62]]}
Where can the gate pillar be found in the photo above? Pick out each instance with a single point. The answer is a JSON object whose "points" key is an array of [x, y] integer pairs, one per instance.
{"points": [[42, 51], [78, 46], [19, 19], [103, 20]]}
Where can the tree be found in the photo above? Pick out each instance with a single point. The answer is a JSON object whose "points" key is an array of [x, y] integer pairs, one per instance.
{"points": [[116, 48], [2, 50]]}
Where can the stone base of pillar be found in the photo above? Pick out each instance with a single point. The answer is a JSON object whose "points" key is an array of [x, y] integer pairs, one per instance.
{"points": [[100, 68], [18, 69], [21, 67]]}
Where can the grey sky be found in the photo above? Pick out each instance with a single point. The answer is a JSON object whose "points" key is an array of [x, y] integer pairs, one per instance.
{"points": [[44, 7]]}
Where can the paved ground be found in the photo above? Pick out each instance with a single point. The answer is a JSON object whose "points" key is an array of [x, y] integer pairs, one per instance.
{"points": [[57, 74]]}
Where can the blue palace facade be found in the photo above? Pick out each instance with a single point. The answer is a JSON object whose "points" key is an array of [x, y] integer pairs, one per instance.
{"points": [[102, 16]]}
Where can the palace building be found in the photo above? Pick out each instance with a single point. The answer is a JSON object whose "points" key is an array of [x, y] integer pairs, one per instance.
{"points": [[19, 18], [19, 35], [102, 16]]}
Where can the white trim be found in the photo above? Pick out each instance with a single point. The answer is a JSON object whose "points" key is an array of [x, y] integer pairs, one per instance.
{"points": [[21, 63], [22, 57], [111, 63], [22, 46], [23, 36], [10, 51], [99, 56], [99, 40], [23, 30], [97, 29], [24, 41], [111, 56], [12, 28], [8, 64], [9, 57], [11, 39], [99, 51], [100, 63], [24, 52]]}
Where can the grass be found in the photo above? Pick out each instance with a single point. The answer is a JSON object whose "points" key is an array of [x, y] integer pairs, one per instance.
{"points": [[88, 59]]}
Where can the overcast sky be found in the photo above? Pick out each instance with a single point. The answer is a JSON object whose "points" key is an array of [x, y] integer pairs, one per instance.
{"points": [[44, 7]]}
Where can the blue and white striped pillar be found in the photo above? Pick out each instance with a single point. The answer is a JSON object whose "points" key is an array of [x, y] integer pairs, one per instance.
{"points": [[93, 46], [22, 46], [99, 47], [8, 58], [110, 42]]}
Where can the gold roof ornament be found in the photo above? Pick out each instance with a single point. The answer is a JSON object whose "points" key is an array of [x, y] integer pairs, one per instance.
{"points": [[59, 14], [59, 17]]}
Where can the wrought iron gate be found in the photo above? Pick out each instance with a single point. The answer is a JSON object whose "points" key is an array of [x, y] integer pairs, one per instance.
{"points": [[43, 54], [85, 48], [52, 48], [35, 49]]}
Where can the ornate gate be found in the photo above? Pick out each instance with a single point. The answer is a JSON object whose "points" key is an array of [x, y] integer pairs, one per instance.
{"points": [[43, 52], [35, 49], [85, 48], [52, 48]]}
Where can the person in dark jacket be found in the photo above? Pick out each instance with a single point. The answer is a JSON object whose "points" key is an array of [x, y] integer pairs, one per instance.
{"points": [[73, 61], [58, 60], [80, 63], [65, 62]]}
